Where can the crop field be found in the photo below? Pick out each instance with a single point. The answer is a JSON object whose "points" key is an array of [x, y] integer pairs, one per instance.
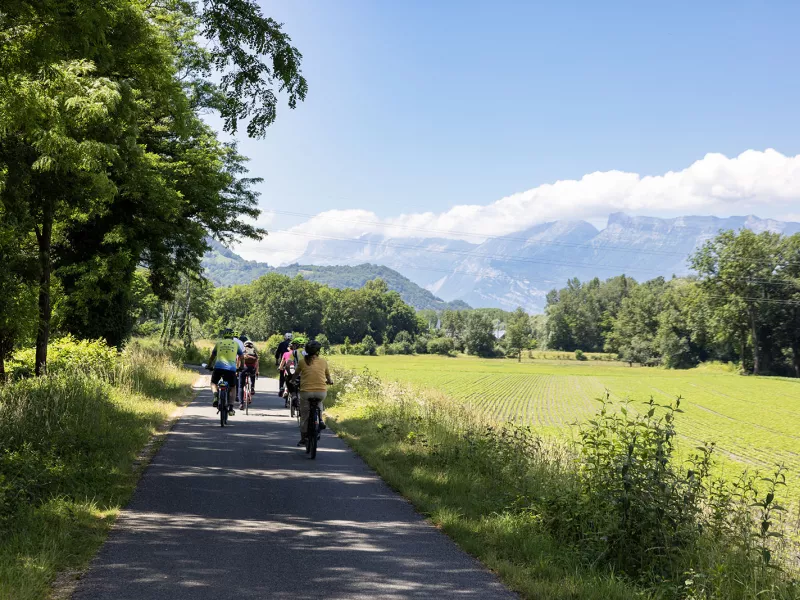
{"points": [[755, 421]]}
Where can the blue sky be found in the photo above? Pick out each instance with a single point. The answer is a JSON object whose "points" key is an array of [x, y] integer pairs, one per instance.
{"points": [[426, 106]]}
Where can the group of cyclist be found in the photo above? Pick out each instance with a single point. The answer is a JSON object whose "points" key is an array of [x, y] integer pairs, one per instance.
{"points": [[302, 370]]}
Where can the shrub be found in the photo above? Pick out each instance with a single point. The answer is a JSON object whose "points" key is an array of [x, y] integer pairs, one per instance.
{"points": [[369, 346], [324, 342], [400, 348], [67, 355], [357, 349], [271, 345], [347, 346], [579, 355], [442, 345], [421, 344], [403, 337]]}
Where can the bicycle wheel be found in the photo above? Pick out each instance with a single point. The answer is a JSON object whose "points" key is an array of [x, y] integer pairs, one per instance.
{"points": [[313, 434], [223, 408], [292, 410], [246, 398]]}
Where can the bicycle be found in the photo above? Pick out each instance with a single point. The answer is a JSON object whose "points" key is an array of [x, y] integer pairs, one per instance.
{"points": [[314, 420], [224, 406], [247, 394]]}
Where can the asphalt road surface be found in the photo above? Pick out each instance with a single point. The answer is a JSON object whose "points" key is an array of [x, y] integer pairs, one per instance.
{"points": [[240, 512]]}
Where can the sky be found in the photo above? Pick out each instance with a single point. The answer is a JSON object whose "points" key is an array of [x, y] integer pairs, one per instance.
{"points": [[489, 117]]}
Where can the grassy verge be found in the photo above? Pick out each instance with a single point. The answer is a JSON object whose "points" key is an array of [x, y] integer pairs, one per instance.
{"points": [[616, 516], [464, 498], [67, 463]]}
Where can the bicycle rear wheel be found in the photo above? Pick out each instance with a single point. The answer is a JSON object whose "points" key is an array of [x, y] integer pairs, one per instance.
{"points": [[223, 409], [313, 432]]}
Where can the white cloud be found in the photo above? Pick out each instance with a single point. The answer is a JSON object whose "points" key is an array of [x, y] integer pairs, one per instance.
{"points": [[763, 183]]}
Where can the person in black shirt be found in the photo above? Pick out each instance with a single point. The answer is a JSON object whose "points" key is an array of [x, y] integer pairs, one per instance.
{"points": [[283, 347]]}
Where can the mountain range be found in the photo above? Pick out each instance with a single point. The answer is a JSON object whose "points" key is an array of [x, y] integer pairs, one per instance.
{"points": [[224, 267], [503, 272], [519, 269]]}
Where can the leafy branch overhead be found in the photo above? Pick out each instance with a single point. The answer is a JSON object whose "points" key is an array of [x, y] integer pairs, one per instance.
{"points": [[104, 158], [256, 57]]}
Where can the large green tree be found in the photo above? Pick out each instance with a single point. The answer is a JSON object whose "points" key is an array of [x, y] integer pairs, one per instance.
{"points": [[743, 269], [101, 142]]}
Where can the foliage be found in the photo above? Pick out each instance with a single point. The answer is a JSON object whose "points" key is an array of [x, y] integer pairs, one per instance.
{"points": [[369, 346], [518, 332], [752, 419], [225, 268], [442, 345], [68, 355], [70, 440], [479, 334], [743, 306], [579, 355], [276, 303], [619, 502], [100, 120]]}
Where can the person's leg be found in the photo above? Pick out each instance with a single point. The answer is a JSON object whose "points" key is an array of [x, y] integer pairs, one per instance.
{"points": [[215, 375], [281, 382], [232, 379], [252, 373], [304, 412], [240, 392]]}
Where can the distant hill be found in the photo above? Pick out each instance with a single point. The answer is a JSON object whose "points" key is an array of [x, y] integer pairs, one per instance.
{"points": [[224, 267], [519, 269]]}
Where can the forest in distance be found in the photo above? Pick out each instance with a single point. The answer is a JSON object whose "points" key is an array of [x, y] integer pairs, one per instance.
{"points": [[742, 307]]}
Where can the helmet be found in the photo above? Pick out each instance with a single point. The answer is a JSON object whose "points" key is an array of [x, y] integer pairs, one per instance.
{"points": [[313, 347], [249, 344], [299, 340], [242, 337], [288, 336], [227, 332]]}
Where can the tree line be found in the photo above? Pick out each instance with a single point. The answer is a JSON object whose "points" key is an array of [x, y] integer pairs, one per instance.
{"points": [[743, 306], [106, 166]]}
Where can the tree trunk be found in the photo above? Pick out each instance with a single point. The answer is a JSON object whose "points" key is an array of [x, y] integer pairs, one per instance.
{"points": [[186, 314], [796, 357], [754, 333], [2, 369], [44, 237], [519, 356]]}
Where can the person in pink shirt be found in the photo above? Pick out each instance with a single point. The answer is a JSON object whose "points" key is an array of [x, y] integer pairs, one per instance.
{"points": [[288, 359]]}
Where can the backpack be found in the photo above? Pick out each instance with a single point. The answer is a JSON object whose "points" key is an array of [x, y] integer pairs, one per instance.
{"points": [[250, 356]]}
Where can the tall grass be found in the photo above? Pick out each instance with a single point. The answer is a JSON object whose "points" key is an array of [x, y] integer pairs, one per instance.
{"points": [[68, 443], [615, 515]]}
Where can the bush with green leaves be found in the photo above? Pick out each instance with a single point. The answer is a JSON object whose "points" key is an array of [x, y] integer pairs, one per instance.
{"points": [[324, 342], [368, 345], [67, 354], [441, 345], [579, 355], [421, 344], [271, 345]]}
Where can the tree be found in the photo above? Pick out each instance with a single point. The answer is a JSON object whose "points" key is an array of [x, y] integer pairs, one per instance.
{"points": [[742, 267], [518, 333], [99, 121], [478, 335]]}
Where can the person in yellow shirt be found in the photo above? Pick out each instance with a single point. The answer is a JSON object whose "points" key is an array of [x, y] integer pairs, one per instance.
{"points": [[314, 376]]}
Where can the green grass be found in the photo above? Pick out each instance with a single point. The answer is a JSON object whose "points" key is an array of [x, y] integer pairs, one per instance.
{"points": [[754, 420], [70, 443], [525, 507], [470, 504]]}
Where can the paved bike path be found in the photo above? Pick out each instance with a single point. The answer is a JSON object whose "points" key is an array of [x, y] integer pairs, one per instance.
{"points": [[240, 512]]}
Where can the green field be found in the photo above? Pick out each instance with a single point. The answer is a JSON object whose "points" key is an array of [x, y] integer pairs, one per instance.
{"points": [[754, 420]]}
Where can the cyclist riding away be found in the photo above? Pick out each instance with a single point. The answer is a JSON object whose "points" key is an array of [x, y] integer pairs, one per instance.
{"points": [[314, 375], [249, 369], [225, 358], [288, 360], [282, 349]]}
